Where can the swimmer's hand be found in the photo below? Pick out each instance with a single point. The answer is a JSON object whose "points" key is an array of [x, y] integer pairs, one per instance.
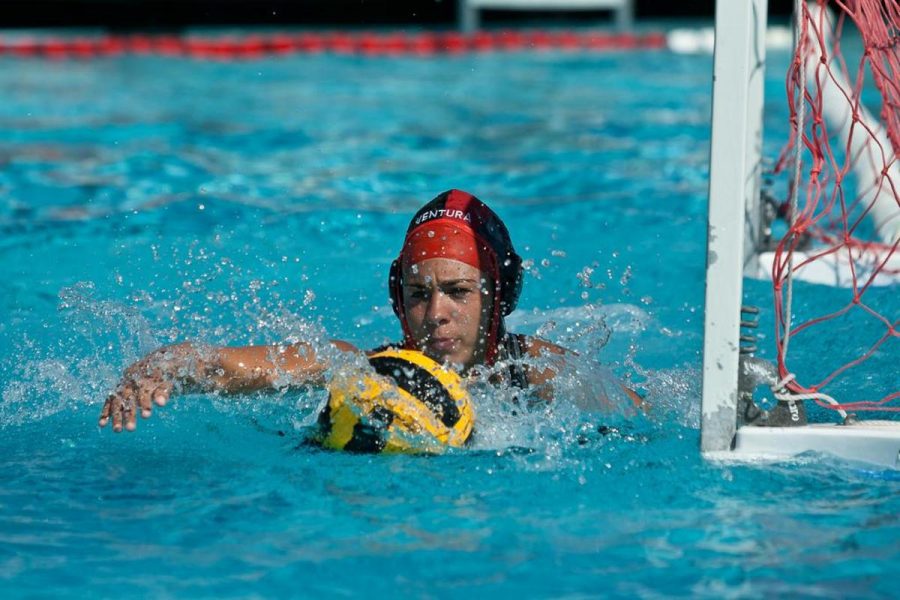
{"points": [[145, 383]]}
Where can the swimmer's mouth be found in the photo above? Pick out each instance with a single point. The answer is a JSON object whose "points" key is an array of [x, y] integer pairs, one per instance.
{"points": [[442, 344]]}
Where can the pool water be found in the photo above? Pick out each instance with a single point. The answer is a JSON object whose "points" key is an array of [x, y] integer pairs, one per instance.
{"points": [[146, 200]]}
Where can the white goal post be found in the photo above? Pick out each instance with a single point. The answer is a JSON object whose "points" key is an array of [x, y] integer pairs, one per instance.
{"points": [[733, 227], [734, 232]]}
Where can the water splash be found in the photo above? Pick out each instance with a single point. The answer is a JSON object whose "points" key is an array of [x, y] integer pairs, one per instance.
{"points": [[78, 365], [93, 339]]}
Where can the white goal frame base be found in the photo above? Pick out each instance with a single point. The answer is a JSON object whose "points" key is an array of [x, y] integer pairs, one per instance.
{"points": [[835, 269], [872, 442]]}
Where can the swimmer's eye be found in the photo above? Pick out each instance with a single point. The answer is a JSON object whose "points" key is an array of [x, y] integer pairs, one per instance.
{"points": [[418, 294], [458, 293], [455, 292]]}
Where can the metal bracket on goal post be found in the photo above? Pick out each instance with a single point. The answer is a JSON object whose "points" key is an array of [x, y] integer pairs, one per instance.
{"points": [[732, 244]]}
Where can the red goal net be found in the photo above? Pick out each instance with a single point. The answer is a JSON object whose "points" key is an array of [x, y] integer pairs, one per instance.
{"points": [[843, 210]]}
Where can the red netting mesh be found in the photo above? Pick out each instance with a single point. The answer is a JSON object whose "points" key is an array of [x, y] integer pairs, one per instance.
{"points": [[845, 203]]}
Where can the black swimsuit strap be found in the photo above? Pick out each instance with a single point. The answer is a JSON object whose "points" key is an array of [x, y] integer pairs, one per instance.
{"points": [[514, 351]]}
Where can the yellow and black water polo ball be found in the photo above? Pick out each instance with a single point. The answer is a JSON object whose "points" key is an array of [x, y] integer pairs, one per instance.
{"points": [[412, 404]]}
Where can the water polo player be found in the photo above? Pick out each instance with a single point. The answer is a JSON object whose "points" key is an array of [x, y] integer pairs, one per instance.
{"points": [[456, 278]]}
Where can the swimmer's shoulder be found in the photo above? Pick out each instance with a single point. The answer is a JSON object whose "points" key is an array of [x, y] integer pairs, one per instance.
{"points": [[345, 346], [536, 347]]}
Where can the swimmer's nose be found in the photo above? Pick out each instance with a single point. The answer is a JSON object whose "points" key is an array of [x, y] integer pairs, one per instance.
{"points": [[438, 310]]}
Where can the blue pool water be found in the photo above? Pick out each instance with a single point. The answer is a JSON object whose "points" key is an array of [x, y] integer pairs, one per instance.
{"points": [[146, 200]]}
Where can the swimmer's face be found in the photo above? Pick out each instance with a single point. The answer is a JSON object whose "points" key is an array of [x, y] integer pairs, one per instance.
{"points": [[448, 310]]}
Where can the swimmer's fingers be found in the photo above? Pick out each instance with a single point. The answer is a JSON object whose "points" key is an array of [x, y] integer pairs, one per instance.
{"points": [[134, 392], [140, 395], [162, 392], [112, 409], [116, 411], [150, 391], [153, 390], [145, 394], [106, 411], [129, 410], [128, 407], [122, 407]]}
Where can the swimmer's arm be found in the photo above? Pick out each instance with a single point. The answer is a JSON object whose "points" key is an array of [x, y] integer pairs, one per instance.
{"points": [[260, 368], [191, 368], [541, 379]]}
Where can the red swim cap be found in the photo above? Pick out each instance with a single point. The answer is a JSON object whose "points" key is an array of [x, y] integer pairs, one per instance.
{"points": [[443, 238]]}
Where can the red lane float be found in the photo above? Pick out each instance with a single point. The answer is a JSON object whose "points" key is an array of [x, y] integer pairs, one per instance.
{"points": [[250, 46]]}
